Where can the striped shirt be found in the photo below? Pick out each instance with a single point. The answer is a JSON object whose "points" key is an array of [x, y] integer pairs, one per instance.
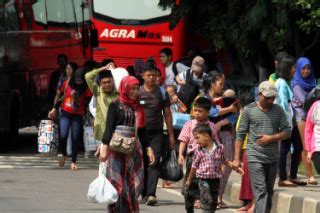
{"points": [[208, 162], [186, 135], [256, 123]]}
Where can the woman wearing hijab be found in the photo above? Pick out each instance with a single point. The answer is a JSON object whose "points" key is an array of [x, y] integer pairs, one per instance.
{"points": [[125, 172], [303, 82], [75, 96]]}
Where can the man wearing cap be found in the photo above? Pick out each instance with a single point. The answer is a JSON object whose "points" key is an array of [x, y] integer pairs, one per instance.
{"points": [[104, 91], [267, 125], [197, 71]]}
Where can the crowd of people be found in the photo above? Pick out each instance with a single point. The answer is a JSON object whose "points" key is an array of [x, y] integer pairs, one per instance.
{"points": [[144, 104]]}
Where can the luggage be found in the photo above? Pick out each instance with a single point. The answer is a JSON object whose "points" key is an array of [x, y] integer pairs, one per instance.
{"points": [[88, 139], [48, 137], [170, 168]]}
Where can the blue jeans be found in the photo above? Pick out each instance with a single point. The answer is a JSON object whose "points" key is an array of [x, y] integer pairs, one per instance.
{"points": [[75, 122]]}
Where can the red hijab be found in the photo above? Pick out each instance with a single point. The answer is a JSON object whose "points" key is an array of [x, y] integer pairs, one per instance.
{"points": [[126, 85]]}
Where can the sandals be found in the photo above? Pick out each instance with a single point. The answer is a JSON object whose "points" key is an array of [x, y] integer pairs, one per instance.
{"points": [[244, 208], [222, 205], [73, 167], [62, 161], [298, 182], [197, 204], [312, 181], [166, 184]]}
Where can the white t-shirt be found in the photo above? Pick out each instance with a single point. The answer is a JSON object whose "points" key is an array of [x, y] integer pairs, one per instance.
{"points": [[169, 76]]}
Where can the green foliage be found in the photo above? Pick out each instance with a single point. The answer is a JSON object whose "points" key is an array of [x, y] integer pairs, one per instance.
{"points": [[245, 24]]}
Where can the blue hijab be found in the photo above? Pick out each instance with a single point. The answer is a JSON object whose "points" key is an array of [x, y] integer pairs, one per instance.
{"points": [[307, 84]]}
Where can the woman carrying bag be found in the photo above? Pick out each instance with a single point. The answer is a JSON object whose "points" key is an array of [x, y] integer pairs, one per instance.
{"points": [[125, 120], [75, 96]]}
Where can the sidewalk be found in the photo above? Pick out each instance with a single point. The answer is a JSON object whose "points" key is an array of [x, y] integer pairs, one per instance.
{"points": [[302, 199]]}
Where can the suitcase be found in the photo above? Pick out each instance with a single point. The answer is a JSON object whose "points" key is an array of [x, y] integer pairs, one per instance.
{"points": [[88, 139], [48, 137]]}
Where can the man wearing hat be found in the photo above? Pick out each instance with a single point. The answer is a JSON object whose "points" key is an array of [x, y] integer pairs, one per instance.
{"points": [[104, 91], [267, 125]]}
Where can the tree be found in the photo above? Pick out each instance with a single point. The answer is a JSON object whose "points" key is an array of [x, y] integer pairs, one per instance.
{"points": [[253, 29]]}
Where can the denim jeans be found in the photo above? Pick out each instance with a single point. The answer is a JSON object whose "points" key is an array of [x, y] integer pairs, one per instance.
{"points": [[75, 122], [295, 156]]}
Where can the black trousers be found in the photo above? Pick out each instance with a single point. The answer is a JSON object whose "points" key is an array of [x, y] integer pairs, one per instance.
{"points": [[295, 156], [316, 161], [154, 138]]}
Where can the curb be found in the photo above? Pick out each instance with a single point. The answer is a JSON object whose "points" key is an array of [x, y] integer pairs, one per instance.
{"points": [[282, 202]]}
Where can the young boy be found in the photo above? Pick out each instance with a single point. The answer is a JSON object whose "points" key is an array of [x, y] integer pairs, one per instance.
{"points": [[201, 111], [176, 103], [206, 166]]}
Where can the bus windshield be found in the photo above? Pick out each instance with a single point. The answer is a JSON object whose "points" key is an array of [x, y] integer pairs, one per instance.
{"points": [[138, 10]]}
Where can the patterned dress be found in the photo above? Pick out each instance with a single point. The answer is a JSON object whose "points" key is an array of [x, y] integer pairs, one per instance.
{"points": [[125, 172]]}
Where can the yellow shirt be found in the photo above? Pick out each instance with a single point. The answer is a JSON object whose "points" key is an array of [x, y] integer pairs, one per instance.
{"points": [[244, 145]]}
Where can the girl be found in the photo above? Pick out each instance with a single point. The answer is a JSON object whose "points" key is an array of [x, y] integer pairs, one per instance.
{"points": [[75, 98], [283, 99], [303, 82], [312, 135]]}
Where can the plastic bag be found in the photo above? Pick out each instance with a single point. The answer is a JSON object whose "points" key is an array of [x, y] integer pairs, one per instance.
{"points": [[101, 190], [170, 168]]}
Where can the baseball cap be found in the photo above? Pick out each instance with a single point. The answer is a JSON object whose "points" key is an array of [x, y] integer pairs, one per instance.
{"points": [[267, 89]]}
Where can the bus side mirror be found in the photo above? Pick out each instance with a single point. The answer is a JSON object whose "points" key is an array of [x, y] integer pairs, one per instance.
{"points": [[94, 40]]}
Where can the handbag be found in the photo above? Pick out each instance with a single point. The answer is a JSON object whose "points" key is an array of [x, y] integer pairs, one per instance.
{"points": [[123, 144]]}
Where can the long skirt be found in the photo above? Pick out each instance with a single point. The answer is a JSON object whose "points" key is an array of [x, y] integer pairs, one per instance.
{"points": [[227, 141], [125, 172], [245, 190]]}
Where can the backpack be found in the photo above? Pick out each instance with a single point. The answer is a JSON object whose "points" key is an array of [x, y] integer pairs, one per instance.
{"points": [[313, 96], [189, 91]]}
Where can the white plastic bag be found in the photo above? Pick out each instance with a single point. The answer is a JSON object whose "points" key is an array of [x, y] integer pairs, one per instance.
{"points": [[101, 190]]}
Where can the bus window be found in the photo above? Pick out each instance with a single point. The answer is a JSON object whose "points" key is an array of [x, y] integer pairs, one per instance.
{"points": [[58, 13], [1, 16], [78, 10], [39, 12], [11, 16], [118, 14]]}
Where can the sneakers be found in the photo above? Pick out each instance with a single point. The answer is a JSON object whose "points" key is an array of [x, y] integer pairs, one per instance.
{"points": [[151, 201]]}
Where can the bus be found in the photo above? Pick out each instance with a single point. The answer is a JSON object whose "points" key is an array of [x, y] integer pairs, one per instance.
{"points": [[32, 34], [130, 30]]}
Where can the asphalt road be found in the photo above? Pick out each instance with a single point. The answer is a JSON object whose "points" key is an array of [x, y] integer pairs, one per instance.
{"points": [[31, 184]]}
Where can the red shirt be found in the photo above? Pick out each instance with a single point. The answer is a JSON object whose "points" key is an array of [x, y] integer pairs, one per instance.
{"points": [[187, 137], [208, 163], [68, 104]]}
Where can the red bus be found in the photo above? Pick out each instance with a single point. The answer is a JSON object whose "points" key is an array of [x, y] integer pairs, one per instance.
{"points": [[32, 34], [129, 30]]}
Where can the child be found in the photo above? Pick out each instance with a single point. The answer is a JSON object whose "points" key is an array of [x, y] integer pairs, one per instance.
{"points": [[201, 110], [206, 166], [312, 135], [176, 103], [246, 194]]}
